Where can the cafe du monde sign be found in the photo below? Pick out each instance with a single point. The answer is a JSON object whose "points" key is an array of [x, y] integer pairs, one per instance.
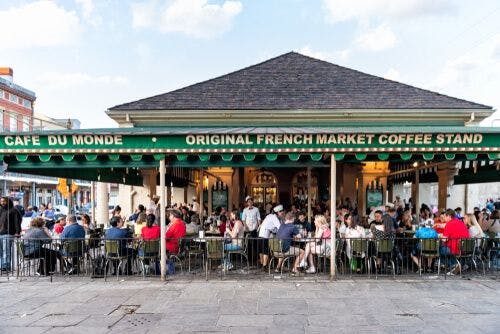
{"points": [[229, 142]]}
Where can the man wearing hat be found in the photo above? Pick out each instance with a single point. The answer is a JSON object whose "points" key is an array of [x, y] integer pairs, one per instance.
{"points": [[271, 224], [251, 220]]}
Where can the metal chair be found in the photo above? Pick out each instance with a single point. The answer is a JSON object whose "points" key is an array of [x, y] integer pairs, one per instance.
{"points": [[73, 250], [179, 256], [23, 259], [276, 250], [467, 251], [383, 250], [192, 249], [150, 252], [358, 248], [325, 255], [112, 253], [242, 252], [429, 248], [214, 251]]}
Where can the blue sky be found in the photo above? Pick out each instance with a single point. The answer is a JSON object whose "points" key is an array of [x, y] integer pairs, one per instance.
{"points": [[84, 56]]}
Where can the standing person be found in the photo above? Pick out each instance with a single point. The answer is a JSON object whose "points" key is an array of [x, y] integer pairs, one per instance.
{"points": [[195, 206], [10, 226], [175, 231], [251, 220], [271, 224], [49, 212]]}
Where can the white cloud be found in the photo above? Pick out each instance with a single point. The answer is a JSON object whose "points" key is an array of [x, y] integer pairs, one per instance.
{"points": [[88, 12], [58, 80], [377, 39], [38, 24], [344, 10], [392, 74], [456, 72], [196, 18], [334, 56]]}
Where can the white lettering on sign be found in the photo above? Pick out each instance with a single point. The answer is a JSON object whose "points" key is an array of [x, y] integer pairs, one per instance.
{"points": [[390, 139], [80, 140], [25, 140]]}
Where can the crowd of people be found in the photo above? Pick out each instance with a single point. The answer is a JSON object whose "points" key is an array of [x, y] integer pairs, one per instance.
{"points": [[392, 221]]}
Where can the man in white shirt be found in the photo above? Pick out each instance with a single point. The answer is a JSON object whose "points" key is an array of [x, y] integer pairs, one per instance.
{"points": [[195, 207], [271, 224], [251, 220], [251, 217]]}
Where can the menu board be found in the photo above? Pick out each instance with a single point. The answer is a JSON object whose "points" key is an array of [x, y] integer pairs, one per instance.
{"points": [[374, 198], [219, 198]]}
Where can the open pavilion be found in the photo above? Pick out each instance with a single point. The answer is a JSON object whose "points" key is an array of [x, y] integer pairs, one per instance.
{"points": [[346, 130]]}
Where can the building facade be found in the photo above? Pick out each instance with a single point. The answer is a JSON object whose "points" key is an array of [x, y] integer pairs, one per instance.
{"points": [[17, 115]]}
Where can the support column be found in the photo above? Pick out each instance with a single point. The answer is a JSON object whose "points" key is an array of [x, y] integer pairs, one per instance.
{"points": [[416, 199], [92, 201], [163, 219], [33, 194], [333, 201], [200, 188], [443, 173], [309, 210], [102, 214], [149, 180]]}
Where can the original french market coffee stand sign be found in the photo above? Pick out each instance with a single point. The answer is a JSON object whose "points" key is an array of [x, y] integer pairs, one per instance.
{"points": [[235, 143]]}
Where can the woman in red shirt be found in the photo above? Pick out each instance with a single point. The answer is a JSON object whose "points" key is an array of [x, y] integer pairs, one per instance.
{"points": [[150, 231], [175, 231]]}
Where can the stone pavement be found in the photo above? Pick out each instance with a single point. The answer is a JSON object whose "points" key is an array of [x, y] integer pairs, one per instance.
{"points": [[347, 306]]}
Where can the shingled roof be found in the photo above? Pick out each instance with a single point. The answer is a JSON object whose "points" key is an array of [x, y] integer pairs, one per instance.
{"points": [[295, 81]]}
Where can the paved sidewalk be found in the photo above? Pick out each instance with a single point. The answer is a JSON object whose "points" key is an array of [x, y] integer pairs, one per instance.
{"points": [[461, 306]]}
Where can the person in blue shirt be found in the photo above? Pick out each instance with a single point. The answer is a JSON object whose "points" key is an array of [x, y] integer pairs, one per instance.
{"points": [[73, 232], [425, 232], [286, 233], [123, 235], [49, 213]]}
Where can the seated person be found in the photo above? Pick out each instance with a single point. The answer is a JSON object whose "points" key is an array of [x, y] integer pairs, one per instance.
{"points": [[149, 232], [236, 234], [34, 239], [302, 222], [223, 225], [286, 233], [175, 231], [425, 232], [73, 232], [59, 225], [87, 224], [124, 236], [319, 246]]}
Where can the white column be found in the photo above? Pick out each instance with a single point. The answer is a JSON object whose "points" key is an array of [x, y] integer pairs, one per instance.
{"points": [[163, 219], [309, 210], [201, 197], [102, 214], [333, 201], [92, 201]]}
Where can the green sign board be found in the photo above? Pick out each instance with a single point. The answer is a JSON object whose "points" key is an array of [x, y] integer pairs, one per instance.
{"points": [[236, 143]]}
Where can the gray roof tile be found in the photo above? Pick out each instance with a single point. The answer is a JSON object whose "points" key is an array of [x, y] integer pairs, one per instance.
{"points": [[295, 81]]}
